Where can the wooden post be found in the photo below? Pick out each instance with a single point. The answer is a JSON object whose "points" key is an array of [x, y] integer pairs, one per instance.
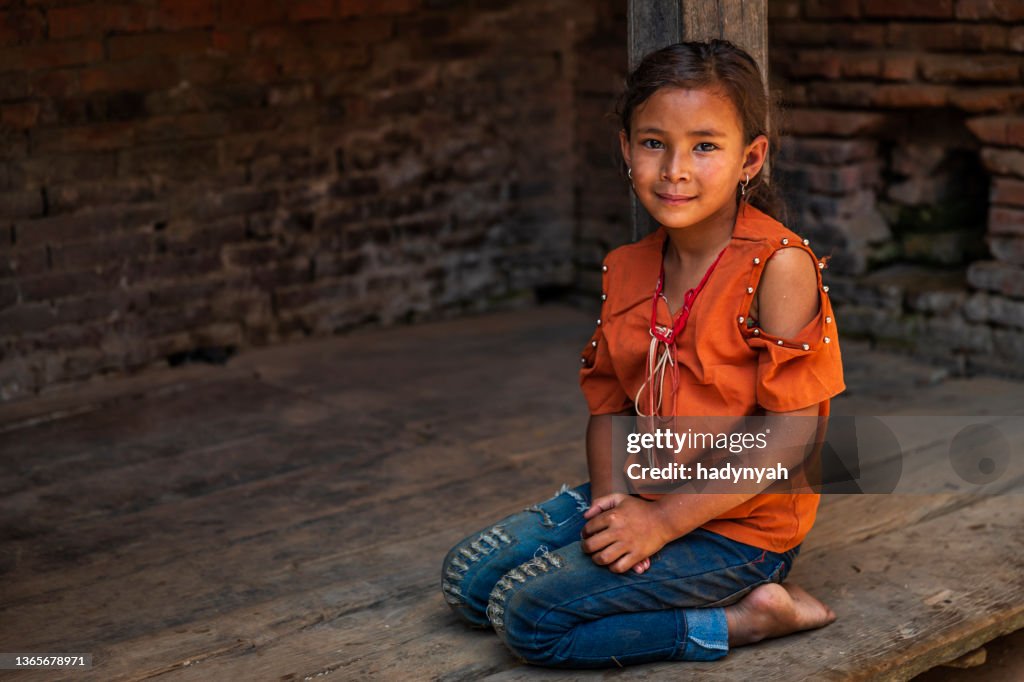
{"points": [[656, 23]]}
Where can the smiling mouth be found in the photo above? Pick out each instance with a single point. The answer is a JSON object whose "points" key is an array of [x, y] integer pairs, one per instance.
{"points": [[675, 198]]}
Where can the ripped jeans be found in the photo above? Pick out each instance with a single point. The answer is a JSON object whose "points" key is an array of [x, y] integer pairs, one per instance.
{"points": [[552, 605]]}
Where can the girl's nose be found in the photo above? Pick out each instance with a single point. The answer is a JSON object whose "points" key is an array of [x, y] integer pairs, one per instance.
{"points": [[675, 168]]}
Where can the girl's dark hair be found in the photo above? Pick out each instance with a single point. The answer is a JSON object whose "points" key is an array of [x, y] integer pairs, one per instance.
{"points": [[721, 66]]}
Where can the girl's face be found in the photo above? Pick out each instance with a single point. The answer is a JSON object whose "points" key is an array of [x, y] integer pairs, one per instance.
{"points": [[687, 156]]}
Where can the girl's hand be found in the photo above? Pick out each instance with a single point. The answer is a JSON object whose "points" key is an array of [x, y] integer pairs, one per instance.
{"points": [[623, 532]]}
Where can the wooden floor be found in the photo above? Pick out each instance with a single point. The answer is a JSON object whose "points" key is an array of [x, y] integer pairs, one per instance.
{"points": [[284, 517]]}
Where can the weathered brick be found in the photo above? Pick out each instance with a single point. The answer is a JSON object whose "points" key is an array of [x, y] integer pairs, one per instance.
{"points": [[28, 317], [97, 19], [50, 55], [21, 26], [922, 9], [972, 69], [234, 202], [982, 307], [178, 14], [1008, 345], [831, 122], [777, 10], [20, 116], [150, 45], [23, 204], [294, 64], [987, 99], [1007, 191], [59, 285], [65, 197], [56, 84], [142, 76], [1006, 131], [830, 179], [98, 253], [247, 13], [816, 63], [947, 36], [87, 225], [98, 137], [229, 42], [14, 85], [1005, 221], [899, 67], [346, 8], [910, 95], [827, 151], [842, 94], [307, 10], [44, 169], [182, 161], [1002, 10], [830, 9], [1015, 39], [1007, 249], [1003, 161], [1002, 278]]}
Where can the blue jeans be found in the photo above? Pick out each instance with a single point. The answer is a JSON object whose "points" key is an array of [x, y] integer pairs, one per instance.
{"points": [[528, 578]]}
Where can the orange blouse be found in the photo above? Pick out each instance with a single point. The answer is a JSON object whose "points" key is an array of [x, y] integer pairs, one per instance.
{"points": [[728, 366]]}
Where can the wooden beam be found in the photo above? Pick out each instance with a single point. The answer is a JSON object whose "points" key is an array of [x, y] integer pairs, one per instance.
{"points": [[653, 24]]}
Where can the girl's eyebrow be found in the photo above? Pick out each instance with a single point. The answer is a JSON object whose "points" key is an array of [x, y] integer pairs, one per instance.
{"points": [[692, 133]]}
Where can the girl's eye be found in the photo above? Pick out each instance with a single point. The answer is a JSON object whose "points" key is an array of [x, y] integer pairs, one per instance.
{"points": [[652, 144], [713, 146]]}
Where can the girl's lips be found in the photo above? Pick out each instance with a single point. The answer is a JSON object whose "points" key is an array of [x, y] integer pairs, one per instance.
{"points": [[675, 198]]}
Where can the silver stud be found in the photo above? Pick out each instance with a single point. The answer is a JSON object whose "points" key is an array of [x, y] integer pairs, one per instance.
{"points": [[604, 297], [757, 261], [828, 320], [604, 268], [599, 322], [807, 242], [750, 290], [583, 361], [779, 342], [785, 241], [757, 332], [594, 344], [741, 318], [825, 288], [807, 346], [828, 340], [821, 266]]}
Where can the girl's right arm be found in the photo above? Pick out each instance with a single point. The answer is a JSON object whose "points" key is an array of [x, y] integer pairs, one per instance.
{"points": [[599, 454]]}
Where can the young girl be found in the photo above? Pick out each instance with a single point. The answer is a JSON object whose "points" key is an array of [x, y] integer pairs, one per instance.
{"points": [[730, 304]]}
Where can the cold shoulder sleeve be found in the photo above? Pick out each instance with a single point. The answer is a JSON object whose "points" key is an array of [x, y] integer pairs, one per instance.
{"points": [[804, 369], [601, 386]]}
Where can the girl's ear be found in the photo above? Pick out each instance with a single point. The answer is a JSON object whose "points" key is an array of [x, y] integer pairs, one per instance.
{"points": [[757, 154], [624, 145]]}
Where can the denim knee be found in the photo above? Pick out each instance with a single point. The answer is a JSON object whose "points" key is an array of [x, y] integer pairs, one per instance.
{"points": [[459, 561], [474, 565], [512, 614]]}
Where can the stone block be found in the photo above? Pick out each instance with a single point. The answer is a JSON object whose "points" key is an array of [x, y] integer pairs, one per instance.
{"points": [[994, 276]]}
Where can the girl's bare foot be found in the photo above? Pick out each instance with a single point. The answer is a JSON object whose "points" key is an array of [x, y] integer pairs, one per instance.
{"points": [[773, 610]]}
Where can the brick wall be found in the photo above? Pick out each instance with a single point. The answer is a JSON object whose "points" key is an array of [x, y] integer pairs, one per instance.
{"points": [[905, 159], [183, 178]]}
